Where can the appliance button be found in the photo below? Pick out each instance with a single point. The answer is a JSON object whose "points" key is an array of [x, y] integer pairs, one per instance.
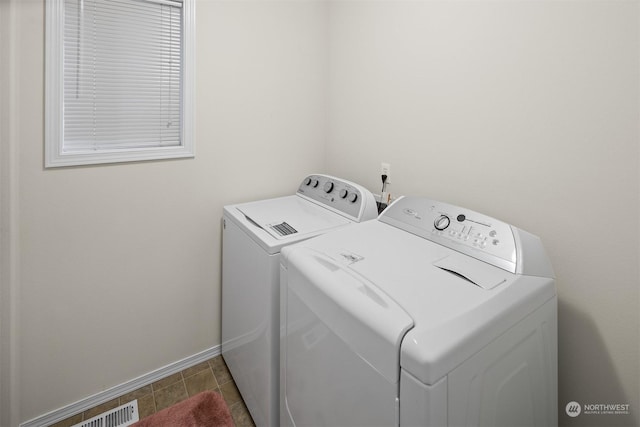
{"points": [[328, 187]]}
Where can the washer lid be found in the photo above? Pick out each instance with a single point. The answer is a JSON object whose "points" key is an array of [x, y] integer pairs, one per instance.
{"points": [[287, 216], [456, 310], [470, 269], [453, 315], [367, 321]]}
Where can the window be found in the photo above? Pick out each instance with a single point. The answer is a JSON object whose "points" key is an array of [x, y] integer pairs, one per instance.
{"points": [[119, 81]]}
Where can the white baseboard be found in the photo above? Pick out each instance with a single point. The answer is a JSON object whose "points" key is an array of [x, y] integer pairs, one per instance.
{"points": [[124, 388]]}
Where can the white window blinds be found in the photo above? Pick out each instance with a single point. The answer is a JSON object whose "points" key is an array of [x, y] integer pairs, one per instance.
{"points": [[122, 68]]}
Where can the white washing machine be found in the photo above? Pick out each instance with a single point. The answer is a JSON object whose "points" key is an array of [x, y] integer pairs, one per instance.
{"points": [[433, 315], [253, 234]]}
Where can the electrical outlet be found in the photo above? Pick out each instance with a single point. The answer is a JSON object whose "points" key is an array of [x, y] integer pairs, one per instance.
{"points": [[385, 169]]}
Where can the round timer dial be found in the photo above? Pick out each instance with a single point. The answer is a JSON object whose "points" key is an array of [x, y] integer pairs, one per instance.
{"points": [[328, 187], [441, 222]]}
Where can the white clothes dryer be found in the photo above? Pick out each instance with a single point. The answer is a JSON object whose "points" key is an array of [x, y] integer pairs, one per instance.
{"points": [[433, 315], [253, 234]]}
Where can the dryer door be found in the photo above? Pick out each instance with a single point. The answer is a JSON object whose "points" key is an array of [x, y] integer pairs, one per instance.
{"points": [[341, 346]]}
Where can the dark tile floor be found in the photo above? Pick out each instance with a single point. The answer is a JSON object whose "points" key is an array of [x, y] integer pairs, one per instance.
{"points": [[210, 375]]}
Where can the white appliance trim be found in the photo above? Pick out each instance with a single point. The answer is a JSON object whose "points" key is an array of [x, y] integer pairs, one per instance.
{"points": [[118, 390]]}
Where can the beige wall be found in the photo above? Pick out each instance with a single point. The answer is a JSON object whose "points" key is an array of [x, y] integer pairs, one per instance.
{"points": [[527, 111], [120, 264], [8, 214]]}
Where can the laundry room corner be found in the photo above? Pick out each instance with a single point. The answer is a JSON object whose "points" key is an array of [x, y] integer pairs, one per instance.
{"points": [[527, 111]]}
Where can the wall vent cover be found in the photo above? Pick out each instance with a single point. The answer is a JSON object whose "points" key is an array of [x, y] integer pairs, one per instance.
{"points": [[123, 415]]}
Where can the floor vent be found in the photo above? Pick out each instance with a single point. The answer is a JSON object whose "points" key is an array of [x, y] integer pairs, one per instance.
{"points": [[122, 416]]}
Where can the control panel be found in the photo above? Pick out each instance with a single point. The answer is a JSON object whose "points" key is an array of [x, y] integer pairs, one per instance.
{"points": [[466, 231], [339, 195]]}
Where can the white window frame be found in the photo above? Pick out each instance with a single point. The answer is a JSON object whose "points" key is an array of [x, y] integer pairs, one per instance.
{"points": [[55, 156]]}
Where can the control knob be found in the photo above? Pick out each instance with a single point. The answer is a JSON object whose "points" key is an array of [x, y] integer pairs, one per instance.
{"points": [[314, 183], [353, 197], [441, 222], [343, 193], [328, 187], [307, 181]]}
